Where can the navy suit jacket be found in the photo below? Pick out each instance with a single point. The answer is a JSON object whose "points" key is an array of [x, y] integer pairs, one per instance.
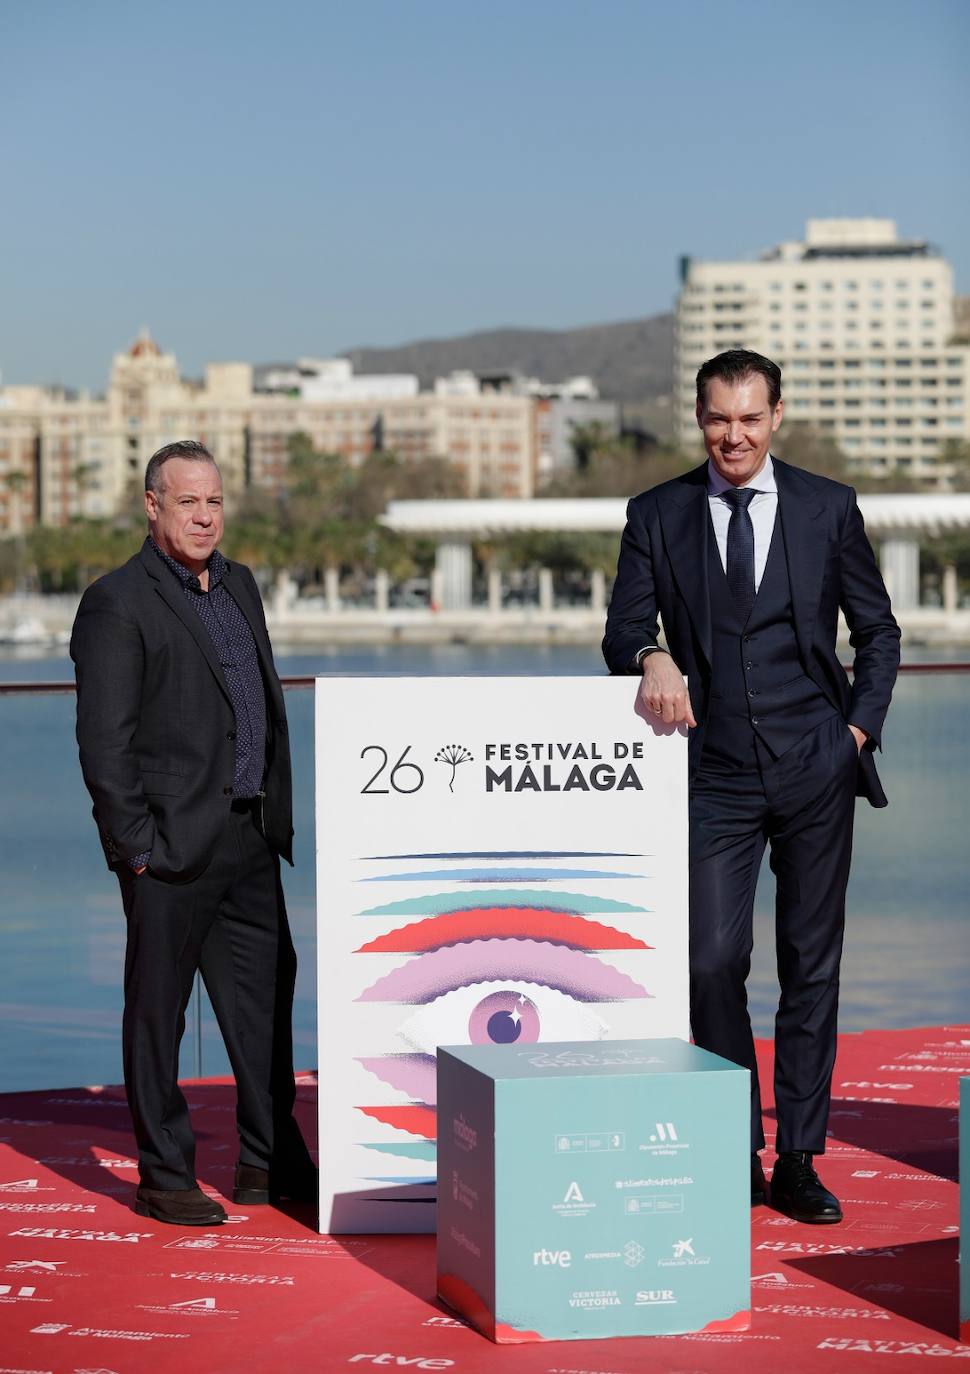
{"points": [[662, 576], [155, 722]]}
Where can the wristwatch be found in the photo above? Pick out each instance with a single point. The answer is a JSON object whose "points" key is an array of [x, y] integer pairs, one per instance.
{"points": [[641, 654]]}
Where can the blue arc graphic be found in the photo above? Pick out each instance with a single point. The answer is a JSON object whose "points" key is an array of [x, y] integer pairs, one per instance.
{"points": [[402, 1178], [509, 854], [495, 875], [436, 903], [405, 1149]]}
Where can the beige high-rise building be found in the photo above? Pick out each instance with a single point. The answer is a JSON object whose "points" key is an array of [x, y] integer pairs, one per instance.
{"points": [[862, 324]]}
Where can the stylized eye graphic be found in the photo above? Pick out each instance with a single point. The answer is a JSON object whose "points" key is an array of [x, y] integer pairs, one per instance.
{"points": [[501, 966], [500, 1013]]}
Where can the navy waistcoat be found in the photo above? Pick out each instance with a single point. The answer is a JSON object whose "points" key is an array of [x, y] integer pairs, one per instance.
{"points": [[758, 683]]}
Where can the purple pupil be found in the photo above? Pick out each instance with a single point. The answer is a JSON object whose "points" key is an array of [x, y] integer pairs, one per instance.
{"points": [[503, 1028], [503, 1018]]}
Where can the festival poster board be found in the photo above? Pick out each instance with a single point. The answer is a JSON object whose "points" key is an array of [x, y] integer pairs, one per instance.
{"points": [[499, 860]]}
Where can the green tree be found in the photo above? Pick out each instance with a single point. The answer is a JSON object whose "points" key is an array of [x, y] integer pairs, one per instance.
{"points": [[614, 465]]}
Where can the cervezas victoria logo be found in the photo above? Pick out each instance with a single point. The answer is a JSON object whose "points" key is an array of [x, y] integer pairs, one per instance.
{"points": [[453, 754]]}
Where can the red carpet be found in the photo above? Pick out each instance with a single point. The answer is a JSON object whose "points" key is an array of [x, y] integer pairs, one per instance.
{"points": [[86, 1287]]}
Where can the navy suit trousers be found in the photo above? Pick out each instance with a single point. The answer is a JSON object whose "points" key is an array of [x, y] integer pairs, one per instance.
{"points": [[802, 806]]}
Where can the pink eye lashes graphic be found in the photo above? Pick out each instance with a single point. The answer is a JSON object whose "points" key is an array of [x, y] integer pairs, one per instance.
{"points": [[583, 976]]}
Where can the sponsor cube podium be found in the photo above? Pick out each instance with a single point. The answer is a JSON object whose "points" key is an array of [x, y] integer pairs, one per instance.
{"points": [[965, 1211], [593, 1189]]}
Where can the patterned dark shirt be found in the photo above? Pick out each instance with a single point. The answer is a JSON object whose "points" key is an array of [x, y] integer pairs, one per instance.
{"points": [[232, 638]]}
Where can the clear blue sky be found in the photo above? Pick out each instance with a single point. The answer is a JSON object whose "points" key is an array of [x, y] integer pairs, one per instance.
{"points": [[258, 181]]}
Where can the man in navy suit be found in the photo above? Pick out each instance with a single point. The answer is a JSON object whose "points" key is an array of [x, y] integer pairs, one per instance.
{"points": [[747, 562]]}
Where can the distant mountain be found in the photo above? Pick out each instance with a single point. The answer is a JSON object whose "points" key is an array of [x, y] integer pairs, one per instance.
{"points": [[631, 362]]}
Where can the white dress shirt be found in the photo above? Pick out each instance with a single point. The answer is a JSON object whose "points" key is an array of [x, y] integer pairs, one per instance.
{"points": [[762, 510]]}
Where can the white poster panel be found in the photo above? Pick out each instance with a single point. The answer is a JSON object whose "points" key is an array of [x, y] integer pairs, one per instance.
{"points": [[499, 860]]}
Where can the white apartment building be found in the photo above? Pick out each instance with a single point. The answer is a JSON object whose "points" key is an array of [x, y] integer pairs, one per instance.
{"points": [[861, 323], [334, 379]]}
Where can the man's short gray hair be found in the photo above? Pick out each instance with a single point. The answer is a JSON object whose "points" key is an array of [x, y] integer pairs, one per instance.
{"points": [[181, 448]]}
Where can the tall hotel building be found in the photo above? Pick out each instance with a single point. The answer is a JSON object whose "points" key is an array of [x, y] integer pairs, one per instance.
{"points": [[862, 324]]}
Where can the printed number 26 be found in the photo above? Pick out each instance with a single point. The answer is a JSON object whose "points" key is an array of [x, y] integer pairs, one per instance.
{"points": [[395, 776]]}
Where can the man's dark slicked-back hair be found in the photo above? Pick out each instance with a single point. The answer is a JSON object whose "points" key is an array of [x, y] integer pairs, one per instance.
{"points": [[737, 365], [181, 448]]}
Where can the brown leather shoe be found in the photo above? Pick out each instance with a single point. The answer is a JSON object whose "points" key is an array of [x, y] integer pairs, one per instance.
{"points": [[250, 1186], [179, 1206]]}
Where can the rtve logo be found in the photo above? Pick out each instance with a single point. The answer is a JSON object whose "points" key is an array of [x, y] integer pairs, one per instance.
{"points": [[561, 1259], [402, 1361]]}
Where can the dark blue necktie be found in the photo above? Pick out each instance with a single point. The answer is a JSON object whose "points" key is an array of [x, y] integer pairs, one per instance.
{"points": [[740, 548]]}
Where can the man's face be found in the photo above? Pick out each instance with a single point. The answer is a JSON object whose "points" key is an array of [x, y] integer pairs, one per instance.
{"points": [[185, 519], [737, 423]]}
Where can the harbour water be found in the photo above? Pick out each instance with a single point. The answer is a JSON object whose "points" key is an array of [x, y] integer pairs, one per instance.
{"points": [[907, 952]]}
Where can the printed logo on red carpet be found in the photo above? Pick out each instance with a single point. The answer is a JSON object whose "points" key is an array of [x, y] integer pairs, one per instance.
{"points": [[194, 1307], [213, 1276], [322, 1248], [59, 1233], [777, 1280], [103, 1333], [870, 1347], [47, 1207], [403, 1361], [25, 1292]]}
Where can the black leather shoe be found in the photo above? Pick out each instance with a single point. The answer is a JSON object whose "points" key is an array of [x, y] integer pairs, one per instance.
{"points": [[759, 1188], [179, 1206], [797, 1190], [254, 1187]]}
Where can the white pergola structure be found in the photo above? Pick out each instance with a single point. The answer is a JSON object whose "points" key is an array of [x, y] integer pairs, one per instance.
{"points": [[897, 523]]}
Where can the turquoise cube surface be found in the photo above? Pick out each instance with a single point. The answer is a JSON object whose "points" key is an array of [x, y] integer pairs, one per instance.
{"points": [[965, 1211], [593, 1189]]}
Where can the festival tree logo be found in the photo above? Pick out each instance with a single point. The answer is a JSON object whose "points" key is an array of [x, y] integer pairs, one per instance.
{"points": [[453, 754]]}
